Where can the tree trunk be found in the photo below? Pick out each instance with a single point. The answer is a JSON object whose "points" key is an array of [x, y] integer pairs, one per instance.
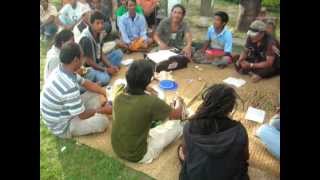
{"points": [[248, 11], [206, 8]]}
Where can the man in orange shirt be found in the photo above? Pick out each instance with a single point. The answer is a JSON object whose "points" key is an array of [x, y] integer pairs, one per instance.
{"points": [[149, 10]]}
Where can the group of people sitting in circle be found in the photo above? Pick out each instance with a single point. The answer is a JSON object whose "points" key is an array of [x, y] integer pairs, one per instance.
{"points": [[214, 145]]}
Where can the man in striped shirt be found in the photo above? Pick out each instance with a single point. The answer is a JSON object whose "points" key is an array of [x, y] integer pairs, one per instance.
{"points": [[65, 112]]}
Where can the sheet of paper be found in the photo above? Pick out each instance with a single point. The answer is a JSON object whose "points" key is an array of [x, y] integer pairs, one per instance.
{"points": [[126, 62], [256, 115], [234, 81], [160, 56]]}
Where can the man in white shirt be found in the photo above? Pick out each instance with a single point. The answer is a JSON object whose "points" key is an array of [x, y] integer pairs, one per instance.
{"points": [[48, 14], [84, 23], [52, 59], [70, 14]]}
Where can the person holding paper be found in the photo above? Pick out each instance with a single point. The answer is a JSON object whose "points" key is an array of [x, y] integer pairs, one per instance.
{"points": [[134, 111], [133, 30], [214, 146], [259, 58], [217, 48], [173, 32]]}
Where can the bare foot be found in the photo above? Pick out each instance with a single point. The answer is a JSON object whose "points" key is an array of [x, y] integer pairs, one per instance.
{"points": [[255, 78], [180, 154]]}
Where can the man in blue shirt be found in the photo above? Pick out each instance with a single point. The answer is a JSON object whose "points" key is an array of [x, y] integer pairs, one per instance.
{"points": [[133, 29], [218, 46]]}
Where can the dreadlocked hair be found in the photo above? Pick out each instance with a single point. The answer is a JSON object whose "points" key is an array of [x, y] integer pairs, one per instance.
{"points": [[218, 101]]}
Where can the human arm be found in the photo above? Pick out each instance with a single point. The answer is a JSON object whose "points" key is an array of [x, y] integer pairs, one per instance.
{"points": [[176, 112], [51, 12], [160, 43], [160, 31], [49, 20], [122, 29], [270, 57], [228, 44], [63, 16], [110, 68], [263, 64], [93, 87], [188, 48], [143, 28], [162, 111], [87, 48], [106, 109]]}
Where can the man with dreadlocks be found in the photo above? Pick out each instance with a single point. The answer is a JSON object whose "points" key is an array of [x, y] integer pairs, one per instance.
{"points": [[215, 146], [133, 113]]}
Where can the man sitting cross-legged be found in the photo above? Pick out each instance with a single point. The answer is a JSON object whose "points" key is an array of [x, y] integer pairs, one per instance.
{"points": [[259, 58], [218, 46], [174, 32], [48, 14], [133, 113], [53, 59], [101, 66], [70, 14], [133, 29], [65, 112]]}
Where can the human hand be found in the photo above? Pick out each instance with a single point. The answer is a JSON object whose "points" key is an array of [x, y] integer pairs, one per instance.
{"points": [[112, 70], [163, 46], [245, 65], [187, 51], [106, 109]]}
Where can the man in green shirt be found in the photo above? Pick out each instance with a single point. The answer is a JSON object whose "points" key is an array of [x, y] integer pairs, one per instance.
{"points": [[122, 9], [133, 112]]}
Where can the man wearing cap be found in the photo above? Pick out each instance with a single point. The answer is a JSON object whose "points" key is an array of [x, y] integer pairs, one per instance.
{"points": [[259, 58]]}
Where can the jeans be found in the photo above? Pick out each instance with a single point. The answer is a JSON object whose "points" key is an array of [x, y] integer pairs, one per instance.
{"points": [[48, 30], [270, 136], [100, 77], [115, 57]]}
